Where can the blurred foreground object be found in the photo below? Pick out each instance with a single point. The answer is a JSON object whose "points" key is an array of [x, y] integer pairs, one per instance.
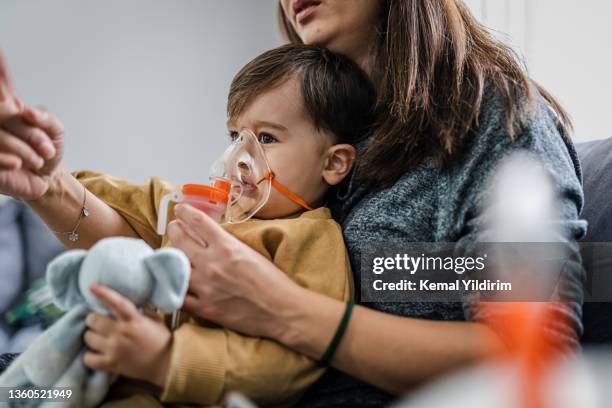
{"points": [[26, 247], [537, 369]]}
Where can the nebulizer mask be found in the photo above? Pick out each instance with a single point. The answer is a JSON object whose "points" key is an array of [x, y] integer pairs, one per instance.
{"points": [[241, 183]]}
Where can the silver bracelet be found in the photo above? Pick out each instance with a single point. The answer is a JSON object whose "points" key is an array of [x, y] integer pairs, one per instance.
{"points": [[73, 236]]}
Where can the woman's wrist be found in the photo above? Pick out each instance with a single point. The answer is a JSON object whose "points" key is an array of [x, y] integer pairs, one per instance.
{"points": [[306, 321]]}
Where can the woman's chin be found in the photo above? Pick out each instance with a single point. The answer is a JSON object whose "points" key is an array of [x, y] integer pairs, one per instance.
{"points": [[315, 35], [332, 43]]}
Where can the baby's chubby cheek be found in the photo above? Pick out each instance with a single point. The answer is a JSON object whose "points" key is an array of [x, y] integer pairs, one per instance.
{"points": [[277, 206], [297, 166]]}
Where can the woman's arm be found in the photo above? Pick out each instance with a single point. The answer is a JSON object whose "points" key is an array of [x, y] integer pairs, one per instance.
{"points": [[61, 205], [238, 288], [53, 193], [116, 207], [391, 352], [31, 149]]}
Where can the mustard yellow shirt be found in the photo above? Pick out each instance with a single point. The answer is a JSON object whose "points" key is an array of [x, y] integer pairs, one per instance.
{"points": [[207, 362]]}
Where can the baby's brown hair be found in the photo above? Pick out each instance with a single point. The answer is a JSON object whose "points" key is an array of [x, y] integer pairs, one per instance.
{"points": [[336, 93]]}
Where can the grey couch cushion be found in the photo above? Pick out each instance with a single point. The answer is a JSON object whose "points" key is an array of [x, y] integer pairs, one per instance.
{"points": [[26, 246], [12, 263], [596, 160]]}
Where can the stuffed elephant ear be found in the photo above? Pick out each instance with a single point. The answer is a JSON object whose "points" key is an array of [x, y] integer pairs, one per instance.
{"points": [[170, 269], [63, 278]]}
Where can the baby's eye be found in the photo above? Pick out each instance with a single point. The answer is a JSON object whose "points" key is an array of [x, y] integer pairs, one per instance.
{"points": [[266, 138], [233, 135]]}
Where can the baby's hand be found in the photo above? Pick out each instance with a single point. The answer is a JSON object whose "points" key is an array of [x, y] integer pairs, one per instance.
{"points": [[130, 343]]}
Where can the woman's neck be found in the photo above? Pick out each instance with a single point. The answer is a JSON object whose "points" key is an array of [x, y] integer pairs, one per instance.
{"points": [[364, 56]]}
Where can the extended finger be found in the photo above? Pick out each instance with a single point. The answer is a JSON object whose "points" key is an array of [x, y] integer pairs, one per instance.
{"points": [[95, 341], [32, 135], [9, 106], [9, 162], [121, 307], [5, 93], [17, 147], [5, 77]]}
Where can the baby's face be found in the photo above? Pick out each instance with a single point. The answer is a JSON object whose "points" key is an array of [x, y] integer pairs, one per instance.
{"points": [[295, 149]]}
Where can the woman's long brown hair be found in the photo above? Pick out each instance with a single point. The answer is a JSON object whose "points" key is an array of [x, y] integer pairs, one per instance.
{"points": [[432, 64]]}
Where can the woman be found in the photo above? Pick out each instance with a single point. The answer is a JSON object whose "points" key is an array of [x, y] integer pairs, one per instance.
{"points": [[453, 102]]}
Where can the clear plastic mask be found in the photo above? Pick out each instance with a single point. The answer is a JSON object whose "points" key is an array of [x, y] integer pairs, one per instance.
{"points": [[245, 167]]}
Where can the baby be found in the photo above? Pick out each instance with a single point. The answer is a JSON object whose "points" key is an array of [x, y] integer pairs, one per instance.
{"points": [[306, 107]]}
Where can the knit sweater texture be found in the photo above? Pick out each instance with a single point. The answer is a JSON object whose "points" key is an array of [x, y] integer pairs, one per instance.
{"points": [[433, 204]]}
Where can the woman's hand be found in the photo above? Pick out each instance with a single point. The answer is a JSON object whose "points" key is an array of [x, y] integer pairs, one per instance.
{"points": [[31, 144], [130, 344], [10, 104], [231, 283], [237, 287]]}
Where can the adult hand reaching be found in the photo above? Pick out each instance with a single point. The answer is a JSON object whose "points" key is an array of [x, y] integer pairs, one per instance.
{"points": [[231, 284], [31, 144], [10, 104], [238, 288]]}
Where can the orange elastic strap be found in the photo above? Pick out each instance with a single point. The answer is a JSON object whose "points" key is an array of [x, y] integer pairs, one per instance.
{"points": [[283, 190]]}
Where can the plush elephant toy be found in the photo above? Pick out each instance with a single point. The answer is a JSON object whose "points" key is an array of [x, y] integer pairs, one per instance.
{"points": [[127, 265]]}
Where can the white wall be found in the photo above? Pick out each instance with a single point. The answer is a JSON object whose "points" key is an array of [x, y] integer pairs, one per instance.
{"points": [[140, 84], [567, 45]]}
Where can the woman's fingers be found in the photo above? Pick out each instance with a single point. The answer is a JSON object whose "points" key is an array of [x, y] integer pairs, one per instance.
{"points": [[94, 340], [191, 304], [192, 234], [10, 104], [183, 239], [200, 223], [32, 135], [9, 162], [10, 144], [48, 122], [121, 307], [5, 77], [5, 94]]}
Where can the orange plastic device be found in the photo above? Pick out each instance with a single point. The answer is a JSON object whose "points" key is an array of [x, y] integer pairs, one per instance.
{"points": [[212, 199]]}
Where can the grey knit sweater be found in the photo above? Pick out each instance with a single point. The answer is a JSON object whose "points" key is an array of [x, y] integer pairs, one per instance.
{"points": [[445, 205]]}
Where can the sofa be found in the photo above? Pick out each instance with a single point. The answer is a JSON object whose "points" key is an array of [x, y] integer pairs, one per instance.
{"points": [[26, 246], [596, 160]]}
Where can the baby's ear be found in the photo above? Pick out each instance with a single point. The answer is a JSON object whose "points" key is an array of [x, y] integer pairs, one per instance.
{"points": [[339, 161], [63, 278], [170, 269]]}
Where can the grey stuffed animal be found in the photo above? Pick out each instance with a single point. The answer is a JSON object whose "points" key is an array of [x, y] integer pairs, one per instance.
{"points": [[126, 265]]}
